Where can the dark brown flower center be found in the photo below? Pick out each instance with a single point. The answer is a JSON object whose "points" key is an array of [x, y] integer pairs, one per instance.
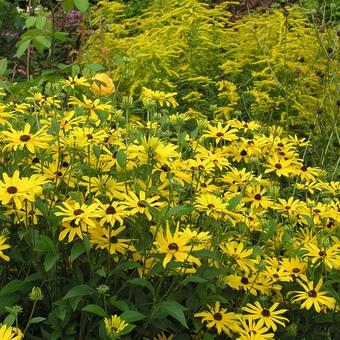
{"points": [[258, 197], [244, 280], [312, 293], [113, 239], [303, 168], [110, 210], [78, 212], [25, 138], [243, 153], [210, 206], [142, 204], [296, 270], [173, 246], [265, 312], [322, 253], [165, 168], [89, 136], [219, 134], [217, 316], [278, 166], [12, 190]]}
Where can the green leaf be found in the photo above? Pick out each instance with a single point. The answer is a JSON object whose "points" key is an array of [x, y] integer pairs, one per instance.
{"points": [[82, 5], [38, 319], [132, 316], [67, 5], [194, 279], [45, 42], [11, 287], [174, 309], [181, 210], [3, 66], [77, 249], [95, 67], [143, 283], [120, 304], [9, 320], [121, 158], [44, 245], [30, 21], [95, 309], [50, 261], [234, 202], [40, 22], [79, 291], [22, 48]]}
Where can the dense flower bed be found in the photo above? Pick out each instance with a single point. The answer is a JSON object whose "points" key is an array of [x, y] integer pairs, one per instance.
{"points": [[128, 218]]}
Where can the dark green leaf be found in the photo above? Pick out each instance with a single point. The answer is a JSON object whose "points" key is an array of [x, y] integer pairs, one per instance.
{"points": [[143, 283], [81, 290], [174, 309], [132, 316], [77, 249], [95, 309], [50, 261]]}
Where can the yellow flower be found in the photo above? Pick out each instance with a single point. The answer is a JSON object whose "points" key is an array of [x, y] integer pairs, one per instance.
{"points": [[114, 326], [141, 204], [72, 82], [24, 139], [211, 205], [78, 213], [10, 333], [102, 85], [149, 97], [106, 238], [266, 316], [174, 246], [18, 189], [240, 255], [329, 256], [219, 318], [220, 132], [312, 296], [250, 330], [3, 246]]}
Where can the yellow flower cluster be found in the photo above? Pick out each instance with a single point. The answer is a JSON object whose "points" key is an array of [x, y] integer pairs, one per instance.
{"points": [[236, 198]]}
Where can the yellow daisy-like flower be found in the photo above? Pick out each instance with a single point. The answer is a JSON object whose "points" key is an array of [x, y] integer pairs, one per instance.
{"points": [[219, 318], [211, 205], [141, 204], [220, 132], [18, 140], [78, 213], [174, 246], [73, 82], [18, 189], [250, 330], [3, 246], [266, 316], [149, 97], [240, 255], [312, 296], [106, 238], [10, 333], [329, 256], [114, 326]]}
